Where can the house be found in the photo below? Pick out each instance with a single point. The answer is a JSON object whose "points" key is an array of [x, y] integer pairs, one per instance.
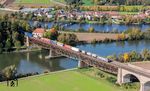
{"points": [[39, 32]]}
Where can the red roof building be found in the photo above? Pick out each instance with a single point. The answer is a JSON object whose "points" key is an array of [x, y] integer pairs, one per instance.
{"points": [[38, 32]]}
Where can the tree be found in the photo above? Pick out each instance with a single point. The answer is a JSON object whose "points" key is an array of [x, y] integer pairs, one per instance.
{"points": [[15, 36], [17, 45], [26, 26], [135, 34], [70, 39], [8, 44], [121, 36], [126, 57], [147, 34], [51, 34], [145, 54], [1, 37], [14, 26], [74, 3], [47, 34], [91, 29], [134, 56], [80, 29], [1, 47]]}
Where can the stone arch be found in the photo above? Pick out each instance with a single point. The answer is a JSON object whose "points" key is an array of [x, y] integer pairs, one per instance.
{"points": [[147, 86], [130, 78]]}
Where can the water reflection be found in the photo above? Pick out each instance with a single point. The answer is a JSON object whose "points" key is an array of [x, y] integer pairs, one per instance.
{"points": [[35, 62], [30, 62]]}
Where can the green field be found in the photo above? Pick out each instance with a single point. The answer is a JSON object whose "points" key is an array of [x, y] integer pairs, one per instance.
{"points": [[88, 2], [62, 1], [62, 81]]}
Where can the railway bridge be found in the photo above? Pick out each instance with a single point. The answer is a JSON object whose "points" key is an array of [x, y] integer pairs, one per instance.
{"points": [[125, 72]]}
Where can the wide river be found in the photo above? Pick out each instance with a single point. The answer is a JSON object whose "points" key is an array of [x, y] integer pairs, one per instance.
{"points": [[35, 62], [97, 27]]}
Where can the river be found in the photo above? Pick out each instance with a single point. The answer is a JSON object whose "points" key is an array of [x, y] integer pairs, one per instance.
{"points": [[97, 27], [32, 62]]}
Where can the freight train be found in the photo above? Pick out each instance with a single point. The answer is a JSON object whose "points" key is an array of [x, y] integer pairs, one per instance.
{"points": [[71, 48]]}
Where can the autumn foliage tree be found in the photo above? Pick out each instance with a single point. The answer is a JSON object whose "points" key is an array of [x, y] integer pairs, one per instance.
{"points": [[121, 36], [126, 57], [51, 34], [66, 38]]}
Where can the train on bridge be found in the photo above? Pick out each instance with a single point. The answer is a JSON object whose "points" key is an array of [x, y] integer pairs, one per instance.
{"points": [[54, 42]]}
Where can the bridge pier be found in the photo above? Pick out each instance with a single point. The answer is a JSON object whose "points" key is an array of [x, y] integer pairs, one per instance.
{"points": [[119, 77], [82, 64], [142, 87], [52, 54], [27, 42]]}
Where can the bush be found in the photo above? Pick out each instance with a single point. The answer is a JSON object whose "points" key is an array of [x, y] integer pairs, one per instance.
{"points": [[80, 30], [91, 30], [46, 71], [94, 41], [100, 74], [131, 85], [106, 40], [111, 79]]}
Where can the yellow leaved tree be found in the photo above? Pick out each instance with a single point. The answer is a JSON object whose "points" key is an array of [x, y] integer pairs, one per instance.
{"points": [[126, 57]]}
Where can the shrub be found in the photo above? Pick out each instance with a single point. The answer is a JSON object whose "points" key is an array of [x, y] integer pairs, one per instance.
{"points": [[94, 41], [131, 85], [46, 71], [111, 79], [100, 74], [91, 29]]}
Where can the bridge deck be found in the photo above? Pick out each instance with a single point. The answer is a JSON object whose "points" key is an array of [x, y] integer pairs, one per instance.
{"points": [[144, 65]]}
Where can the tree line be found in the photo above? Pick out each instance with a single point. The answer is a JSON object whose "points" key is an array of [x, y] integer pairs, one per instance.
{"points": [[121, 2], [111, 2], [10, 36], [67, 38], [132, 56]]}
